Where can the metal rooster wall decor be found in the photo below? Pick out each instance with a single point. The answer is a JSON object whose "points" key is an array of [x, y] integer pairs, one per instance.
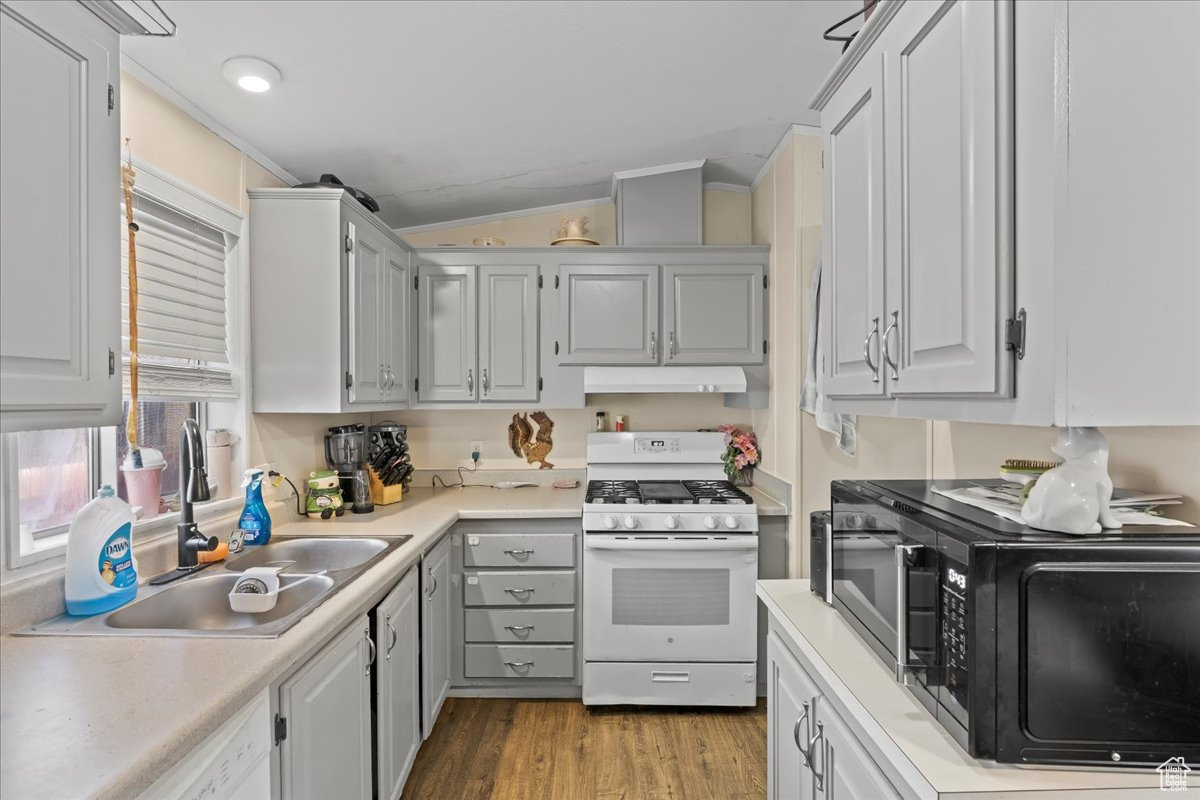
{"points": [[528, 445]]}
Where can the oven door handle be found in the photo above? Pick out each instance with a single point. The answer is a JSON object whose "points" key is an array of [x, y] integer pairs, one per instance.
{"points": [[670, 545], [903, 552]]}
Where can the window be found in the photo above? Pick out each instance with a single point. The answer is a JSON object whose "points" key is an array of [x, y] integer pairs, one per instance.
{"points": [[190, 282]]}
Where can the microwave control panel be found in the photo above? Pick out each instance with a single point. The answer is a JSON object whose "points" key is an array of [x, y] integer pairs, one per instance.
{"points": [[954, 630]]}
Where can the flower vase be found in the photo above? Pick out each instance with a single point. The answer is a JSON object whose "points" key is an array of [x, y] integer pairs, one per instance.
{"points": [[741, 477]]}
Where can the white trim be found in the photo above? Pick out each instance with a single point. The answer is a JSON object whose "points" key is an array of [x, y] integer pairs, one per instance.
{"points": [[165, 188], [718, 186], [658, 170], [168, 93], [503, 215], [794, 129]]}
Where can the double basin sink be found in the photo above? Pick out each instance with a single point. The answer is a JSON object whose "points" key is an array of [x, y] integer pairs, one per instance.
{"points": [[199, 605]]}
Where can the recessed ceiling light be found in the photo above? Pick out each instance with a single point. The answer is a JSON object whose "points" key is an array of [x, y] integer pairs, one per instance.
{"points": [[251, 74]]}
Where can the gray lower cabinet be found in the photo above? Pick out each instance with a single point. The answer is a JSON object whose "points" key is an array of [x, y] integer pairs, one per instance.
{"points": [[397, 685], [608, 314], [519, 588], [519, 661], [811, 752], [714, 314], [327, 708], [435, 632]]}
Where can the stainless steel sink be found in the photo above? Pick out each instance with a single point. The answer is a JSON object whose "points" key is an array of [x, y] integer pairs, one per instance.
{"points": [[198, 606], [202, 604], [312, 555]]}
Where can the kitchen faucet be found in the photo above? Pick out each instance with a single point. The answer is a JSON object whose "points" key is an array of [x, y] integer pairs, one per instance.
{"points": [[193, 488]]}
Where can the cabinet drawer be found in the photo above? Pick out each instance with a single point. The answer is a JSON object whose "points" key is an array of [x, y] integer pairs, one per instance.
{"points": [[520, 625], [520, 550], [555, 588], [520, 661], [669, 684]]}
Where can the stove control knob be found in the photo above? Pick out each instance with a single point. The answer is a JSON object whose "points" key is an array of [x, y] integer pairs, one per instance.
{"points": [[710, 523], [702, 388], [712, 387], [731, 522], [630, 521], [672, 522], [610, 522]]}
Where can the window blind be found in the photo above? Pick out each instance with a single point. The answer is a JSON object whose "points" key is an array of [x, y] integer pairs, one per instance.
{"points": [[183, 331]]}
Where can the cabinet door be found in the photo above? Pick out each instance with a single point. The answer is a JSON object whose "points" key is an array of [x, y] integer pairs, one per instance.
{"points": [[327, 705], [790, 699], [435, 633], [508, 333], [608, 315], [59, 208], [852, 272], [446, 320], [394, 325], [397, 686], [947, 69], [714, 315], [364, 297], [841, 767]]}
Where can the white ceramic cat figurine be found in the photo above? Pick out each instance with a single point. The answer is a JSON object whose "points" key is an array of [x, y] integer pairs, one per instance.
{"points": [[1074, 496]]}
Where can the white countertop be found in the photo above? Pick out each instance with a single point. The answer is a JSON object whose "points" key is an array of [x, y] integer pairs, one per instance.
{"points": [[892, 716], [105, 716]]}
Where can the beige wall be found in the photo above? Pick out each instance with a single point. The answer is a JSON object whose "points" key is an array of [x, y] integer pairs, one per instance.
{"points": [[532, 230], [786, 213], [164, 135]]}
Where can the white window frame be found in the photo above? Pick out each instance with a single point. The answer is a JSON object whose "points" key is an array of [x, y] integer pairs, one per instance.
{"points": [[162, 187]]}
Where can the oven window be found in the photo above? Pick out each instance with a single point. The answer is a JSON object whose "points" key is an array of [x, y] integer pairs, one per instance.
{"points": [[1112, 655], [670, 596]]}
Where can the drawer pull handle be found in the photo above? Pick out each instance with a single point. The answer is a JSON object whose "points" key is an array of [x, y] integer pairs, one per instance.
{"points": [[670, 677], [518, 664], [519, 552], [516, 628], [526, 590]]}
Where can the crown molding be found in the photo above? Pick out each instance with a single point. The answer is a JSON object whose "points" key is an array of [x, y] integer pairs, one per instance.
{"points": [[503, 215], [718, 186], [862, 41], [657, 170], [796, 128], [168, 93]]}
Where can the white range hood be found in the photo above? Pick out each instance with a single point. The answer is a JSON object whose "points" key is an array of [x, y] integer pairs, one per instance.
{"points": [[645, 380]]}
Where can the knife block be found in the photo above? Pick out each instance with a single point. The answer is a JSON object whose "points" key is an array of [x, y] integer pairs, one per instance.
{"points": [[384, 495]]}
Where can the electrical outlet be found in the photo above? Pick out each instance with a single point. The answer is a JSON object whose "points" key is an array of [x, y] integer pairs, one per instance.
{"points": [[476, 447]]}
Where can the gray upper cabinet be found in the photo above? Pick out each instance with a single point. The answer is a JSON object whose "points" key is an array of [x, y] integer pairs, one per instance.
{"points": [[508, 333], [367, 280], [397, 686], [60, 278], [852, 277], [446, 317], [329, 304], [608, 314], [949, 196], [395, 347], [713, 314], [326, 706]]}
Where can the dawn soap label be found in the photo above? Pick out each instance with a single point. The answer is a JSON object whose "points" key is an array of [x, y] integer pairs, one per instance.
{"points": [[116, 559]]}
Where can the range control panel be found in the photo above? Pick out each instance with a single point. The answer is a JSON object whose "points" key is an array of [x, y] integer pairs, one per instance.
{"points": [[656, 445]]}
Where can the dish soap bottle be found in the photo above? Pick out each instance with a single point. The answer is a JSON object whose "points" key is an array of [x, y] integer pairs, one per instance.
{"points": [[255, 522], [101, 570]]}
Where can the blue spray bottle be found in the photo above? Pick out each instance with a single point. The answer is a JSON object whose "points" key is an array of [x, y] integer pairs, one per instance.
{"points": [[255, 522]]}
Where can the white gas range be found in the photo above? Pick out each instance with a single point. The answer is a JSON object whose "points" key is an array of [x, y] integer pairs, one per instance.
{"points": [[669, 563]]}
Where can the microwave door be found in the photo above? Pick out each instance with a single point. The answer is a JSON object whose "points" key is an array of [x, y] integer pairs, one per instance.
{"points": [[864, 581], [916, 569]]}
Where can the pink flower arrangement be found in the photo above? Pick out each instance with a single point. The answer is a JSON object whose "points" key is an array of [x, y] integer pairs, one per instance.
{"points": [[741, 451]]}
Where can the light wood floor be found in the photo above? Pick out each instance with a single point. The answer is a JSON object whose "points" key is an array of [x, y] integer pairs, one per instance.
{"points": [[559, 750]]}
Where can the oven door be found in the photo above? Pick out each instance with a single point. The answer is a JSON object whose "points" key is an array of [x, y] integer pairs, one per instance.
{"points": [[669, 598]]}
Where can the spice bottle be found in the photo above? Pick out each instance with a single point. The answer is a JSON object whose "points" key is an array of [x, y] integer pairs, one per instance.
{"points": [[601, 422], [619, 422]]}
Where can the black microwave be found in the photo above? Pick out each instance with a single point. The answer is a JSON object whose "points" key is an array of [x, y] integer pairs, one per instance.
{"points": [[1028, 647]]}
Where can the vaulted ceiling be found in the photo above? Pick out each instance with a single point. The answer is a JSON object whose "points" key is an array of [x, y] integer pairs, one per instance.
{"points": [[446, 110]]}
